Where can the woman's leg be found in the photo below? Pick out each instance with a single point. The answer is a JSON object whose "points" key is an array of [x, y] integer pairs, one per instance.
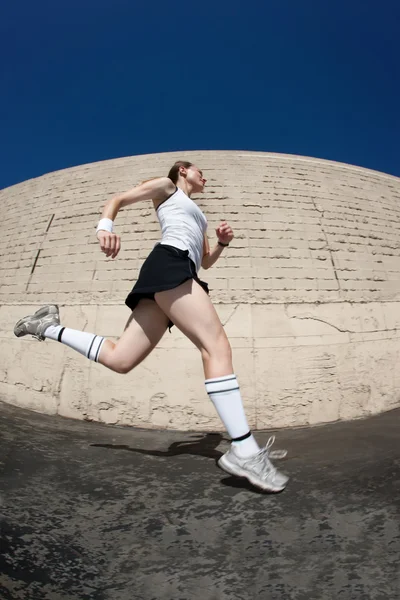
{"points": [[191, 310], [144, 329]]}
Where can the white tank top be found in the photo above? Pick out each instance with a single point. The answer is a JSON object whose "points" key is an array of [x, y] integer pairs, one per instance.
{"points": [[183, 225]]}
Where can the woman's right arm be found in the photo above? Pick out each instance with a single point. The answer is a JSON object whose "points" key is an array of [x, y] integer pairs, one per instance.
{"points": [[155, 189]]}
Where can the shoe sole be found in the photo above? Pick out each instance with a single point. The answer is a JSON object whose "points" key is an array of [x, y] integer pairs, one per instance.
{"points": [[232, 469]]}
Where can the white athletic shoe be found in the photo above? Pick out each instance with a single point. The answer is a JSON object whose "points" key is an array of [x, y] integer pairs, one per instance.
{"points": [[37, 323], [258, 468]]}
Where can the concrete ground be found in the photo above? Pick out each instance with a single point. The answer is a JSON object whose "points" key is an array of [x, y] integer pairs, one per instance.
{"points": [[97, 512]]}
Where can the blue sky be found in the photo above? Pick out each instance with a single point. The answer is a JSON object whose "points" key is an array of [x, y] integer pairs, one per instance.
{"points": [[90, 80]]}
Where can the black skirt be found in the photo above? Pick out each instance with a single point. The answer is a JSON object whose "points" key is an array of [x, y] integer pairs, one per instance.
{"points": [[165, 268]]}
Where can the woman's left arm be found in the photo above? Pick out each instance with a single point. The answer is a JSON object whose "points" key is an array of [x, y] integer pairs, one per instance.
{"points": [[225, 236]]}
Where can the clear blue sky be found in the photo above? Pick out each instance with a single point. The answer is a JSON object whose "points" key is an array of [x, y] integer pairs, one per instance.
{"points": [[89, 80]]}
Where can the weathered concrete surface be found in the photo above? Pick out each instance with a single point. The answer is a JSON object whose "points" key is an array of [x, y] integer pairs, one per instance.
{"points": [[309, 291], [297, 364], [97, 512]]}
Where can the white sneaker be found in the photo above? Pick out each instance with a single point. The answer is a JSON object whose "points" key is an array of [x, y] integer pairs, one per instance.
{"points": [[258, 468], [37, 323]]}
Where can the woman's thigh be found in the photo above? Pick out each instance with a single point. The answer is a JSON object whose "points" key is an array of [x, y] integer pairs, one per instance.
{"points": [[191, 310]]}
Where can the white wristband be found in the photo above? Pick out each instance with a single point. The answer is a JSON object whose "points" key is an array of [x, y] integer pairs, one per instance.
{"points": [[105, 225]]}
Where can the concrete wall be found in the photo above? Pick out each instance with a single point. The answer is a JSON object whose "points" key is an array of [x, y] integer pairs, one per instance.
{"points": [[309, 291]]}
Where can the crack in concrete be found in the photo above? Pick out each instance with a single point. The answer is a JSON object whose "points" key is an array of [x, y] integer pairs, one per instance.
{"points": [[230, 316], [59, 387], [321, 212], [308, 318], [40, 248]]}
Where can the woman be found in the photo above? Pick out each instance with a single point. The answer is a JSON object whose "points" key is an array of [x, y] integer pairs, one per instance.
{"points": [[168, 292]]}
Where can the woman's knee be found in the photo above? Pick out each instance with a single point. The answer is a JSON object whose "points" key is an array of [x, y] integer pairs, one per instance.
{"points": [[118, 364], [122, 368], [217, 346]]}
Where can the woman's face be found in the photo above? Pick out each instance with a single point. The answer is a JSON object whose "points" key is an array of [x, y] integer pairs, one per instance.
{"points": [[195, 177]]}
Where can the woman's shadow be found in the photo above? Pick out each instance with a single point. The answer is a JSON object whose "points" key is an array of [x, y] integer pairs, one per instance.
{"points": [[203, 445]]}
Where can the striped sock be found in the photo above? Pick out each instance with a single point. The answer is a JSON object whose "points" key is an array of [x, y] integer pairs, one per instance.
{"points": [[87, 344], [224, 392]]}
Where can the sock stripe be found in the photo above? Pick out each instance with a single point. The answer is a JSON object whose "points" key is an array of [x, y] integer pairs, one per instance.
{"points": [[90, 347], [223, 391], [220, 380], [242, 437], [98, 350], [60, 334]]}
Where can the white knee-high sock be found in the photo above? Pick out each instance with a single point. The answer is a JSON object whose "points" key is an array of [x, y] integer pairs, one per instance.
{"points": [[224, 392], [85, 343]]}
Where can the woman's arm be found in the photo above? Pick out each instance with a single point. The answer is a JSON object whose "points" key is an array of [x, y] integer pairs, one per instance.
{"points": [[155, 189], [224, 235]]}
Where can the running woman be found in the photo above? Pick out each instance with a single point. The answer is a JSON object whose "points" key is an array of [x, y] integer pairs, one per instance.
{"points": [[169, 292]]}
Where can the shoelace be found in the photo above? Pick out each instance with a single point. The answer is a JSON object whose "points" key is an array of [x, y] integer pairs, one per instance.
{"points": [[278, 454], [263, 458], [37, 337]]}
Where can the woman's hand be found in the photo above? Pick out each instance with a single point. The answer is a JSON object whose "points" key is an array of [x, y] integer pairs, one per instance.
{"points": [[224, 233], [110, 243]]}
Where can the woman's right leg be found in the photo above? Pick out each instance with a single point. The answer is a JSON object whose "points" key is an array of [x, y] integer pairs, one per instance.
{"points": [[144, 329], [191, 310]]}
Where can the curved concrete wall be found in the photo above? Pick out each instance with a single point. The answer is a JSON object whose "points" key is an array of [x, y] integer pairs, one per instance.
{"points": [[309, 291]]}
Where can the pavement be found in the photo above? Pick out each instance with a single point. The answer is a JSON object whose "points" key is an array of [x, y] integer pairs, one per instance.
{"points": [[96, 512]]}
